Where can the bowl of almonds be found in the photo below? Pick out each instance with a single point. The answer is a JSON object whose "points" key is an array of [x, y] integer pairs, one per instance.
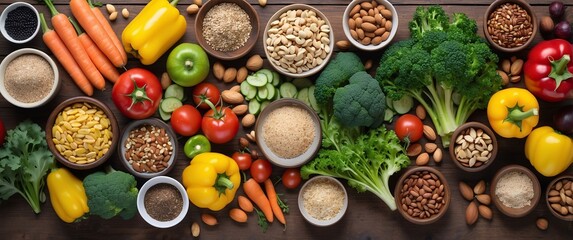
{"points": [[298, 40], [559, 197], [148, 148], [473, 147], [370, 25], [510, 25]]}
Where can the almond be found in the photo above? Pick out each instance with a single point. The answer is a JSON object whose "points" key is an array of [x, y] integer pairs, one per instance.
{"points": [[368, 64], [230, 75], [232, 97], [343, 44], [546, 24], [542, 223], [504, 77], [248, 120], [485, 212], [506, 65], [242, 74], [414, 150], [368, 27], [429, 133], [165, 80], [422, 159], [516, 67], [430, 147], [438, 155], [209, 219], [254, 63], [421, 112], [236, 88], [218, 70], [484, 199], [466, 191], [238, 215], [471, 213], [240, 109], [515, 79], [479, 188], [195, 229]]}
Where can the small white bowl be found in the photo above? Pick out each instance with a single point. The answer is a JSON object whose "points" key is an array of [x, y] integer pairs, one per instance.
{"points": [[24, 51], [7, 10], [141, 207], [370, 47], [310, 218]]}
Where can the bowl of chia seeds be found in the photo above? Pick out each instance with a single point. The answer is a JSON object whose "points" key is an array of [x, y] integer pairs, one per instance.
{"points": [[19, 22]]}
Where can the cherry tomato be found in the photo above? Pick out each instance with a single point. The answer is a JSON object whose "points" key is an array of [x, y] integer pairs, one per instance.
{"points": [[291, 178], [186, 120], [261, 170], [409, 126], [205, 91], [220, 125], [243, 159], [137, 93]]}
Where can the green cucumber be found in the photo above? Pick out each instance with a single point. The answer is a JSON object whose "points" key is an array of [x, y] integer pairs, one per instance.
{"points": [[288, 90], [248, 90], [267, 74], [164, 115], [254, 107], [257, 80], [404, 105], [276, 78], [262, 92], [312, 99], [303, 96], [272, 91], [169, 104], [175, 91]]}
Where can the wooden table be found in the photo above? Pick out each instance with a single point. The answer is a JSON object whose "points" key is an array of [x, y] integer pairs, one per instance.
{"points": [[367, 216]]}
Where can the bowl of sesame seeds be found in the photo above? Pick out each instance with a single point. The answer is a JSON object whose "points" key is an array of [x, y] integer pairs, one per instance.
{"points": [[227, 29], [19, 22]]}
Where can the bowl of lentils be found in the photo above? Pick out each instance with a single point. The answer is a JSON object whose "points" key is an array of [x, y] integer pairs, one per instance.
{"points": [[19, 22], [29, 78], [227, 29], [510, 25], [148, 148]]}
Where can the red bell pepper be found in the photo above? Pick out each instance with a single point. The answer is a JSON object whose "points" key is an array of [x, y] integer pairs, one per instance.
{"points": [[548, 70]]}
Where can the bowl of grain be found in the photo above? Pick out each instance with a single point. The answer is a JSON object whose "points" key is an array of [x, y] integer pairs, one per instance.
{"points": [[29, 78], [298, 40], [322, 201], [19, 22], [288, 133], [473, 147], [227, 29], [162, 202], [510, 25], [148, 148], [559, 197], [370, 25], [515, 190], [82, 132]]}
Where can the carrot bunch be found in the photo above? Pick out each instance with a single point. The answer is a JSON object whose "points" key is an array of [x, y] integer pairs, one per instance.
{"points": [[87, 58], [268, 204]]}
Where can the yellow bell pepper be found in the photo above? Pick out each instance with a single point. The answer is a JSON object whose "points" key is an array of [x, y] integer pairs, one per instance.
{"points": [[67, 195], [548, 151], [153, 31], [513, 112], [211, 180]]}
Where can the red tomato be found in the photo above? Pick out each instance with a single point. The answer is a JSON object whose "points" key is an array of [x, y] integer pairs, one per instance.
{"points": [[220, 126], [243, 159], [261, 170], [2, 133], [186, 120], [205, 91], [409, 126], [137, 93], [291, 178]]}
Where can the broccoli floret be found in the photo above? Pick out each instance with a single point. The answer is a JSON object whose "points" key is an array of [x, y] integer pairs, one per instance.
{"points": [[335, 75], [361, 103], [111, 193], [428, 19]]}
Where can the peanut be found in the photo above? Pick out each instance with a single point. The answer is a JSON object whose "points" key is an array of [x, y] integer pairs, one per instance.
{"points": [[113, 16], [110, 8], [125, 13], [195, 229], [192, 9]]}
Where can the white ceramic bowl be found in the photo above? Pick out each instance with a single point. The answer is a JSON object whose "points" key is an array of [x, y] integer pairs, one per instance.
{"points": [[20, 52], [310, 218], [141, 207], [370, 47], [8, 9]]}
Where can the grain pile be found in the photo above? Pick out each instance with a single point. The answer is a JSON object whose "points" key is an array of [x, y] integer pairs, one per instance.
{"points": [[323, 199], [226, 27], [29, 78], [288, 131]]}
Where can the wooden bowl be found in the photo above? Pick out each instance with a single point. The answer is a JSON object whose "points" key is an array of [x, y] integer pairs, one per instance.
{"points": [[50, 135], [453, 145], [492, 7], [568, 217], [370, 47], [515, 212], [398, 197], [229, 55]]}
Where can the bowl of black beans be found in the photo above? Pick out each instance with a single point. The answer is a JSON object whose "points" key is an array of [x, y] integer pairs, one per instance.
{"points": [[19, 22]]}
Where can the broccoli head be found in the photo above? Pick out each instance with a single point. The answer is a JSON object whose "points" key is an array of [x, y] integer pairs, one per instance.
{"points": [[361, 103], [428, 19], [335, 75], [111, 193]]}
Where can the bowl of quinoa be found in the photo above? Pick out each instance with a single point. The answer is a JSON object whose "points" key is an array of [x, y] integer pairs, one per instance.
{"points": [[28, 78], [322, 201], [288, 133], [227, 29]]}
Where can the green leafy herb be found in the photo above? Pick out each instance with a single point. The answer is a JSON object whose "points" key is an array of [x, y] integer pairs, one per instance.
{"points": [[262, 220]]}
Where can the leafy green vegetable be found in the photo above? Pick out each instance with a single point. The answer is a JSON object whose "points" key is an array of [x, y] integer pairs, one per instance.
{"points": [[24, 162], [444, 59], [361, 103], [365, 160], [111, 193]]}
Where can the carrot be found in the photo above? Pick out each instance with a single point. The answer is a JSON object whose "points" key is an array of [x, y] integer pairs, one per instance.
{"points": [[273, 199], [256, 194], [68, 34], [105, 67], [108, 30], [83, 13], [58, 48]]}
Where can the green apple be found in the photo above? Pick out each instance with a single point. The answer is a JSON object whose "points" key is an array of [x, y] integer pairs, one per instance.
{"points": [[188, 64]]}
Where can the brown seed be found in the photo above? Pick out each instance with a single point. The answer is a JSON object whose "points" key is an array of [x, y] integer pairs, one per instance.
{"points": [[515, 79], [438, 155], [430, 147], [165, 80], [355, 9], [248, 120], [546, 24], [236, 88], [422, 159], [343, 44], [113, 16], [195, 229], [218, 70], [386, 14], [542, 223], [471, 213], [209, 219], [429, 133], [243, 142], [254, 63], [485, 212], [242, 74], [516, 67], [368, 64], [376, 40], [504, 77], [479, 188], [240, 109], [366, 5], [554, 199], [230, 75], [125, 13], [414, 150], [506, 65], [484, 199], [466, 191], [421, 112], [192, 9]]}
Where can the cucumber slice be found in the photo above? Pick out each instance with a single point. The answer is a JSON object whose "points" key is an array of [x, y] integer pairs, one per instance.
{"points": [[262, 92], [164, 115], [175, 91], [277, 94], [276, 78], [254, 107], [264, 105], [257, 80], [303, 96], [404, 105], [169, 104], [248, 90], [388, 115], [288, 90], [301, 83], [267, 74], [272, 91], [312, 99]]}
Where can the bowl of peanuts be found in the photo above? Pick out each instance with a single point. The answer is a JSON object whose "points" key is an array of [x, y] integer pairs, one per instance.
{"points": [[82, 132], [473, 147], [559, 197], [148, 148], [510, 25], [370, 25], [298, 40]]}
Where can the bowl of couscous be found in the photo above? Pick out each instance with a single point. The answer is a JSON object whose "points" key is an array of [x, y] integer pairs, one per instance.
{"points": [[288, 133]]}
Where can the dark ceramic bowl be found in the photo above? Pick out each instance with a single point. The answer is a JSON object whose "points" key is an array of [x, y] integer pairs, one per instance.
{"points": [[568, 217], [494, 42], [455, 144], [509, 211]]}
